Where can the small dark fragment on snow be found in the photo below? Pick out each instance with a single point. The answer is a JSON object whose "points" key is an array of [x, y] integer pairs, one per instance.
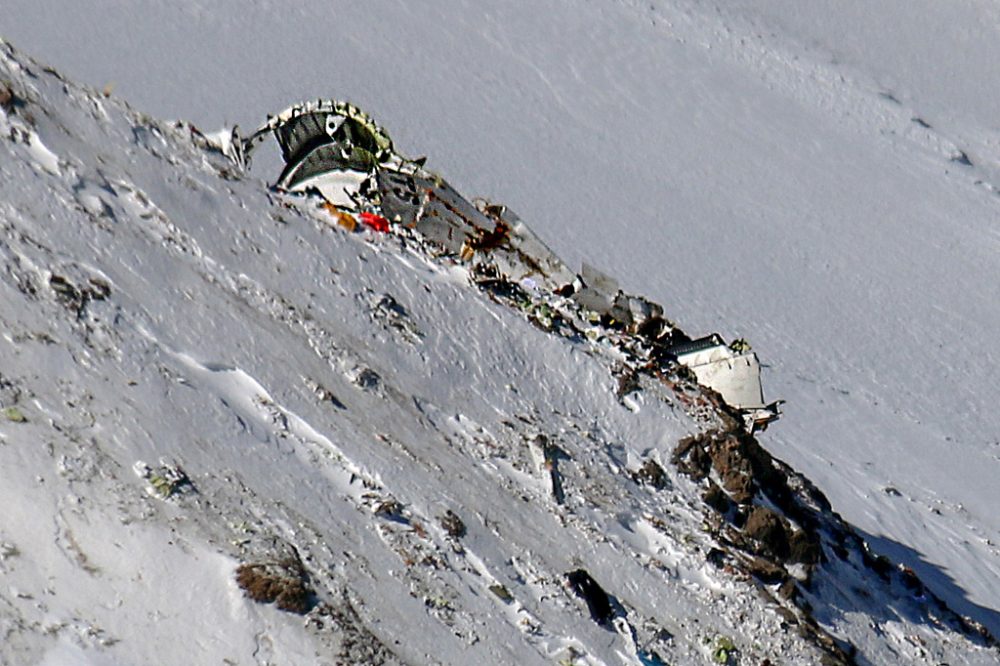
{"points": [[6, 98], [76, 298], [391, 509], [64, 288], [10, 101], [885, 94], [716, 557], [553, 454], [502, 593], [324, 394], [453, 525], [962, 158], [99, 289], [367, 379], [628, 382], [652, 474], [598, 602], [558, 494]]}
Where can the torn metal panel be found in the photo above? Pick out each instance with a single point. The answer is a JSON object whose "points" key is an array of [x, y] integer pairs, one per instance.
{"points": [[733, 371], [335, 150], [341, 187], [301, 127], [736, 376]]}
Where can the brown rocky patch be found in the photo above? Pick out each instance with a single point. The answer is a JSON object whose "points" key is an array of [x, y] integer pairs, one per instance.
{"points": [[283, 583], [769, 532], [804, 548], [651, 474], [717, 499], [767, 571], [691, 457]]}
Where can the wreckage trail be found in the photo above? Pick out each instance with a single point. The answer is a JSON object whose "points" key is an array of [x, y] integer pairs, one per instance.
{"points": [[436, 442]]}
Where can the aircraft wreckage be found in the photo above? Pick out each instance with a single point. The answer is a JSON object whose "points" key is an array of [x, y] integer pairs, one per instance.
{"points": [[336, 151]]}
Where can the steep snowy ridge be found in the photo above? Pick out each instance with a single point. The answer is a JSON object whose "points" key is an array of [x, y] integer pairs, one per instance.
{"points": [[773, 169], [204, 381]]}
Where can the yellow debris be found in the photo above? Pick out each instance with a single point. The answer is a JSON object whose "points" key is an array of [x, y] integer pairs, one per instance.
{"points": [[344, 219], [467, 252]]}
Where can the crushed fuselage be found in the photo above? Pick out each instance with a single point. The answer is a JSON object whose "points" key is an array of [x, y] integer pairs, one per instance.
{"points": [[335, 150]]}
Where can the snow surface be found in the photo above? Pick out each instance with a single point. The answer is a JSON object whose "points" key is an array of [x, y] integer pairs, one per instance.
{"points": [[776, 170], [160, 315], [779, 171], [332, 397]]}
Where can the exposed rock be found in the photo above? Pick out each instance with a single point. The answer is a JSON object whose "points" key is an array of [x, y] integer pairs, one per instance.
{"points": [[739, 485], [911, 582], [804, 548], [717, 499], [10, 101], [502, 593], [716, 557], [390, 509], [767, 571], [691, 458], [787, 615], [734, 469], [879, 564], [357, 645], [628, 382], [770, 532], [788, 591]]}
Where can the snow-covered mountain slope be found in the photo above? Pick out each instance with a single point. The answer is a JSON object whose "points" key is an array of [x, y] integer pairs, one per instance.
{"points": [[818, 177], [206, 385]]}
